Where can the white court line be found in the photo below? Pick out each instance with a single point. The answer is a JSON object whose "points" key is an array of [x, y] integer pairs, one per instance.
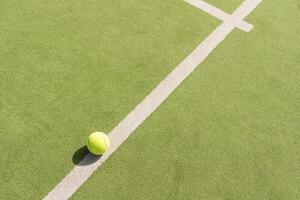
{"points": [[81, 172], [220, 14]]}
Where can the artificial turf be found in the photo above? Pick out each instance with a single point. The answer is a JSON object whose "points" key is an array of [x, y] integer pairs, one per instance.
{"points": [[228, 6], [68, 68], [230, 131]]}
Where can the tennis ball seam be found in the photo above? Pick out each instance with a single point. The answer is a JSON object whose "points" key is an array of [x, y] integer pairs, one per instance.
{"points": [[106, 146]]}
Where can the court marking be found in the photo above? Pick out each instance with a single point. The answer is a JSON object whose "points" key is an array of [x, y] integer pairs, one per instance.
{"points": [[84, 169], [219, 14]]}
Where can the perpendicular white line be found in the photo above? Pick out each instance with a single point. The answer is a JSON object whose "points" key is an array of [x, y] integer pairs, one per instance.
{"points": [[246, 8], [82, 171], [218, 13]]}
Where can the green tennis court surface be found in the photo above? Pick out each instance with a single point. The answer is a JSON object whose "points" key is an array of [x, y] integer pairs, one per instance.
{"points": [[229, 131], [229, 6]]}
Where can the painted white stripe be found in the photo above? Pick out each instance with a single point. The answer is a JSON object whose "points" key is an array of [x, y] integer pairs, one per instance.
{"points": [[81, 172], [220, 14]]}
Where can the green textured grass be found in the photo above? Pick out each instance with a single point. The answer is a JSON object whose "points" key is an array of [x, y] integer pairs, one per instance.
{"points": [[68, 68], [228, 6], [230, 131]]}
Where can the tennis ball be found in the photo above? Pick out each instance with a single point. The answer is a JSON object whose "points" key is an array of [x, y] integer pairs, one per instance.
{"points": [[98, 143]]}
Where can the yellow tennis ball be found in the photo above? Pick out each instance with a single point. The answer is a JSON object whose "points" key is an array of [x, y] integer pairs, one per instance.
{"points": [[98, 143]]}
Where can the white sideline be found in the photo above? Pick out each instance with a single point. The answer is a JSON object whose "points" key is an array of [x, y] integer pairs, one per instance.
{"points": [[81, 172], [220, 14]]}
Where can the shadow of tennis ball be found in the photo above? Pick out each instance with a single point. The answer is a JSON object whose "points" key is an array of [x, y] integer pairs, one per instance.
{"points": [[82, 157]]}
